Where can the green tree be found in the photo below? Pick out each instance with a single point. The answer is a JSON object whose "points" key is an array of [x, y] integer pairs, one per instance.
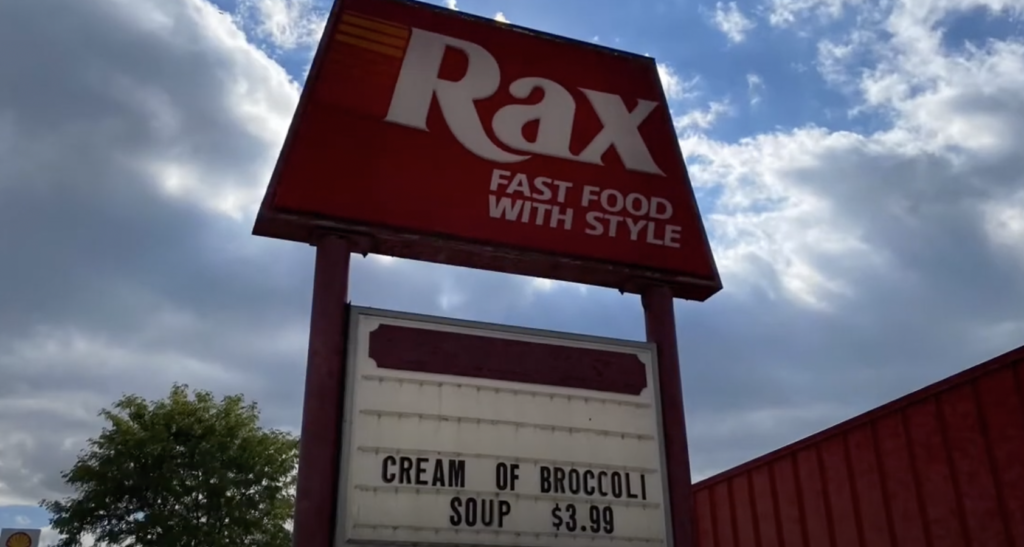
{"points": [[186, 470]]}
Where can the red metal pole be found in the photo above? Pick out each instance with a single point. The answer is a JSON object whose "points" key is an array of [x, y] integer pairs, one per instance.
{"points": [[660, 320], [317, 482]]}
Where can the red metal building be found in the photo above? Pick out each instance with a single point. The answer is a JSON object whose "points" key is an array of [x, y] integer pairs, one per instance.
{"points": [[940, 467]]}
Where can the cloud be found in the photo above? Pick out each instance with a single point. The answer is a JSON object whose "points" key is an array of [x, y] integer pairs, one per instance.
{"points": [[702, 118], [149, 156], [675, 86], [730, 20], [500, 17], [755, 85], [50, 537], [285, 24], [783, 13], [912, 203], [452, 4]]}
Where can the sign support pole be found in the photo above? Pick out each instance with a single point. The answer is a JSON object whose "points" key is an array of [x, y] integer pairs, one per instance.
{"points": [[321, 409], [660, 323]]}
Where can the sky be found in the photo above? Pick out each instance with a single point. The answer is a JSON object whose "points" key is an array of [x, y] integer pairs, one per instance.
{"points": [[857, 164]]}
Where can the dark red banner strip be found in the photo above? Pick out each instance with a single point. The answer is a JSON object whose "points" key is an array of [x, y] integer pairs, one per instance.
{"points": [[441, 352]]}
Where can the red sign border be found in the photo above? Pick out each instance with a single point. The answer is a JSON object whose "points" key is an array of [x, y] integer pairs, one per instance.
{"points": [[454, 251]]}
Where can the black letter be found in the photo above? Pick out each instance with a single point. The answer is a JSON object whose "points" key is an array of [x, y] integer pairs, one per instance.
{"points": [[471, 511], [601, 476], [457, 473], [629, 488], [559, 480], [574, 481], [643, 486], [545, 479], [387, 475], [501, 476], [456, 518], [609, 519], [421, 469], [514, 468], [588, 482], [487, 517], [438, 479], [405, 470], [504, 510], [616, 484]]}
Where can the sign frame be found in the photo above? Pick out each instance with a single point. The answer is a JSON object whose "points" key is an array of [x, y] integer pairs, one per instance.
{"points": [[353, 315], [34, 535], [457, 251]]}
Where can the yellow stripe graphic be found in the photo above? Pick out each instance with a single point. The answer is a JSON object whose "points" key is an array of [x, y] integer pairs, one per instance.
{"points": [[372, 36], [372, 46], [382, 27]]}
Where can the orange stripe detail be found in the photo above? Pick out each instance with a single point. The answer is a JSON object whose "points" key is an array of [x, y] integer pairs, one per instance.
{"points": [[366, 44], [378, 19], [379, 26], [373, 36]]}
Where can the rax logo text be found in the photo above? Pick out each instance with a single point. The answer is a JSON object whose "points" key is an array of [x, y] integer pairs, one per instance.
{"points": [[419, 82]]}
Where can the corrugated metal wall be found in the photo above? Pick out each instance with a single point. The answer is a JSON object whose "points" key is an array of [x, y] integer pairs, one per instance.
{"points": [[941, 467]]}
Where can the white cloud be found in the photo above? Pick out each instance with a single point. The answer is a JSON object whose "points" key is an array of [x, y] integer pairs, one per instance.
{"points": [[835, 55], [500, 17], [702, 119], [286, 24], [823, 209], [1004, 224], [765, 218], [49, 536], [174, 118], [452, 4], [755, 85], [783, 13], [675, 86], [730, 20]]}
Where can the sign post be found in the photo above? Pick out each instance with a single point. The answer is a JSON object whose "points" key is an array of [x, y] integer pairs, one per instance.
{"points": [[325, 376], [660, 323], [430, 134]]}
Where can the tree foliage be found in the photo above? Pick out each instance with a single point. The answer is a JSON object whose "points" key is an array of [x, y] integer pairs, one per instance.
{"points": [[186, 470]]}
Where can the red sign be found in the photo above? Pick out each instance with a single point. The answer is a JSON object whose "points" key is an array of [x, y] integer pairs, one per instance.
{"points": [[457, 139]]}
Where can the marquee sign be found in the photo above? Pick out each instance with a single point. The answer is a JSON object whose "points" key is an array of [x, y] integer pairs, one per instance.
{"points": [[446, 137], [470, 433]]}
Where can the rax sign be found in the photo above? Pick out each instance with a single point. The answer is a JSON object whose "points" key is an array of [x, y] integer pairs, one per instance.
{"points": [[419, 83], [434, 135]]}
